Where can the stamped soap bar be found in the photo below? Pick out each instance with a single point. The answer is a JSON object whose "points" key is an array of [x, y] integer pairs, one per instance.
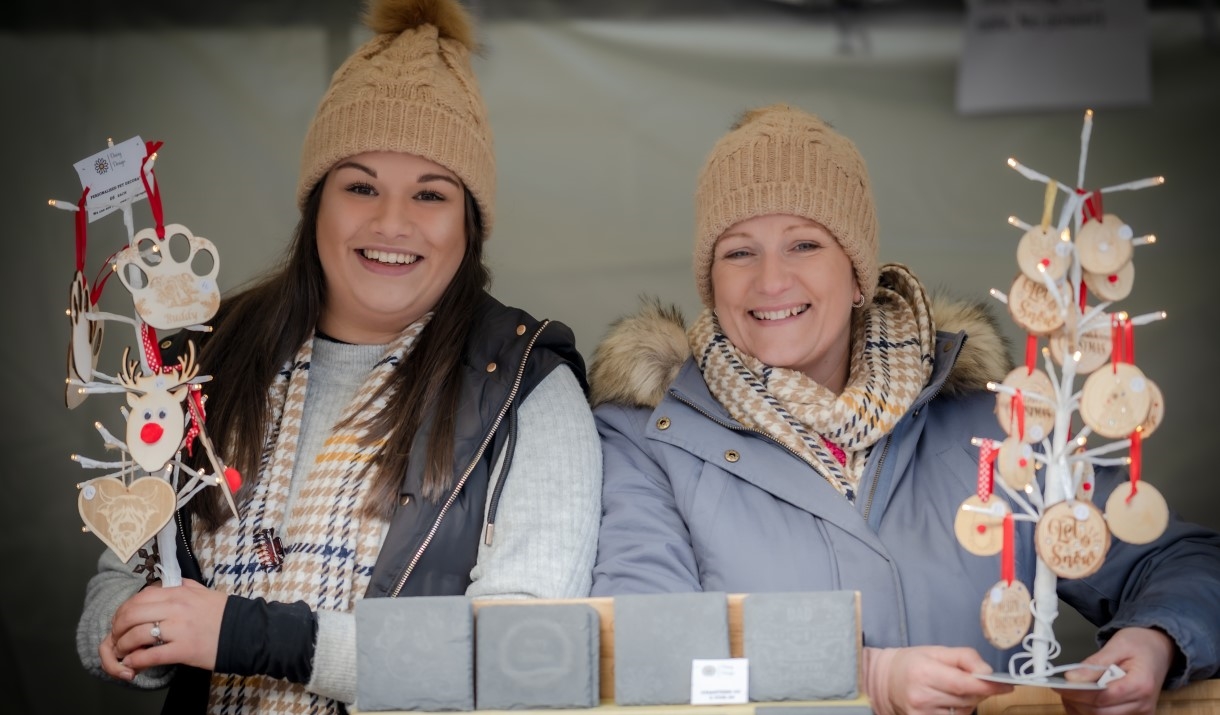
{"points": [[415, 653], [536, 656], [656, 636], [802, 646]]}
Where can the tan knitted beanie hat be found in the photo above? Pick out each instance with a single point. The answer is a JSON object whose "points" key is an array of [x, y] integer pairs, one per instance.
{"points": [[781, 160], [409, 89]]}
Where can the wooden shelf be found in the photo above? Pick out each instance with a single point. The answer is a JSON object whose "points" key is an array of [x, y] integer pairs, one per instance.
{"points": [[1201, 698], [605, 610]]}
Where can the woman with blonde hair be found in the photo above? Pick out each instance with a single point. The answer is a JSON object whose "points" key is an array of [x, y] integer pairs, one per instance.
{"points": [[812, 431]]}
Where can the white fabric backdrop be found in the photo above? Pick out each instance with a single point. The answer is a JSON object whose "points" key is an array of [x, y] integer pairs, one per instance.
{"points": [[600, 130]]}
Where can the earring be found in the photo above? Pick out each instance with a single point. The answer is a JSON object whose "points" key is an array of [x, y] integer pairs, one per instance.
{"points": [[859, 301]]}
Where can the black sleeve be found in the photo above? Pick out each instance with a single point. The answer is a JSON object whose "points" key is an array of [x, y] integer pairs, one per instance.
{"points": [[258, 637]]}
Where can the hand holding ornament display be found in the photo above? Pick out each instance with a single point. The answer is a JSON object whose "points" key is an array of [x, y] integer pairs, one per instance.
{"points": [[165, 411], [1072, 536]]}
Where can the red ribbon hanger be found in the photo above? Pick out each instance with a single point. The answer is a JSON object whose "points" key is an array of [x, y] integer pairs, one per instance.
{"points": [[1008, 566], [153, 190], [1137, 456]]}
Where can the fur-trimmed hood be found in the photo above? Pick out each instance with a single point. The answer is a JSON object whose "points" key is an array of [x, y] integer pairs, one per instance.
{"points": [[642, 353]]}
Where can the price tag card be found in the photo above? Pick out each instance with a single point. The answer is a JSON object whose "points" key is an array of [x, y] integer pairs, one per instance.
{"points": [[719, 681], [113, 177]]}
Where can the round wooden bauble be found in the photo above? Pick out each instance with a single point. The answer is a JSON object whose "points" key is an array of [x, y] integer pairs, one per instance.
{"points": [[1156, 411], [1016, 464], [1006, 615], [1032, 306], [1094, 347], [1039, 414], [1104, 246], [1072, 539], [1113, 286], [1113, 402], [979, 525], [1137, 518], [1044, 247]]}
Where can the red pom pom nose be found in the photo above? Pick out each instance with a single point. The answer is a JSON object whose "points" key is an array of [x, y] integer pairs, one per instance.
{"points": [[151, 432], [233, 477]]}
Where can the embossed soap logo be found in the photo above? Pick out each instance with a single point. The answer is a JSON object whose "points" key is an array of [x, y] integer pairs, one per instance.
{"points": [[535, 652], [172, 281]]}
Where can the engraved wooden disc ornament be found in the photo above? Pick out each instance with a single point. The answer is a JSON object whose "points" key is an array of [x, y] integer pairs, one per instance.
{"points": [[1038, 415], [979, 525], [1044, 247], [1016, 463], [1006, 615], [1104, 246], [1033, 307], [1137, 518], [1072, 539], [1115, 401]]}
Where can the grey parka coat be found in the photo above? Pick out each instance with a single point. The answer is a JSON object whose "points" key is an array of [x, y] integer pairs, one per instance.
{"points": [[692, 500]]}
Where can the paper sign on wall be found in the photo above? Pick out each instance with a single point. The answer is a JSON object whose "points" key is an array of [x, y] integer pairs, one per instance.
{"points": [[1020, 55]]}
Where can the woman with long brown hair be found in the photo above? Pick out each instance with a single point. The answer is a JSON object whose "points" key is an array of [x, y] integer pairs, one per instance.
{"points": [[386, 411]]}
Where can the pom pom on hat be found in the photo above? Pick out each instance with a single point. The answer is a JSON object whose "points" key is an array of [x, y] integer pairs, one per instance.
{"points": [[391, 17], [782, 160], [409, 89]]}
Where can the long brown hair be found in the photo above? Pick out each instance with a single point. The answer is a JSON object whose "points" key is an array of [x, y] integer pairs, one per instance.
{"points": [[259, 329]]}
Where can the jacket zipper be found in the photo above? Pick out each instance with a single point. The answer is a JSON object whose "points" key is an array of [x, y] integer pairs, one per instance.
{"points": [[872, 490], [436, 525], [182, 535]]}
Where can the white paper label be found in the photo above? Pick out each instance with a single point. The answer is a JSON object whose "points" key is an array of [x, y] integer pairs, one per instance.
{"points": [[717, 682], [113, 177]]}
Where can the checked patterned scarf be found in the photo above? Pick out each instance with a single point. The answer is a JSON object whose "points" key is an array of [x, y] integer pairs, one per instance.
{"points": [[334, 545], [891, 361]]}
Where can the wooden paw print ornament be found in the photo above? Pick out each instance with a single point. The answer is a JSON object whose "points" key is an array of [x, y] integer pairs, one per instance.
{"points": [[167, 290]]}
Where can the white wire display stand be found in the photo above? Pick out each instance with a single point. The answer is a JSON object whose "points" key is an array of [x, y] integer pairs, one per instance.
{"points": [[1085, 253]]}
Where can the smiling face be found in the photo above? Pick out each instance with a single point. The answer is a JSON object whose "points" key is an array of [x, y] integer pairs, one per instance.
{"points": [[391, 235], [783, 288]]}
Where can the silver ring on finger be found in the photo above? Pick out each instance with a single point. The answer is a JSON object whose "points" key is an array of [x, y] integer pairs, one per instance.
{"points": [[155, 632], [952, 710]]}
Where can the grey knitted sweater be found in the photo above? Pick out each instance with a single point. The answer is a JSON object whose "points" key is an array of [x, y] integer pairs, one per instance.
{"points": [[546, 529]]}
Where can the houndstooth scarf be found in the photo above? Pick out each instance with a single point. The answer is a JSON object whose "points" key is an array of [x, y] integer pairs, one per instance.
{"points": [[891, 361], [334, 546]]}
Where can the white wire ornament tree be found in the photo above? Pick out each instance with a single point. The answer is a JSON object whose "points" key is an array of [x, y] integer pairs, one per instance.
{"points": [[1085, 253], [136, 501]]}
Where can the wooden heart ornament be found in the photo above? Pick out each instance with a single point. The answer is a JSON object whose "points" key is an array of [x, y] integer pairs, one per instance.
{"points": [[124, 517]]}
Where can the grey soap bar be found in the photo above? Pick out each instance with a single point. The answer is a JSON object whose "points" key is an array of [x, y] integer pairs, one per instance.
{"points": [[801, 646], [415, 653], [536, 656], [655, 639]]}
